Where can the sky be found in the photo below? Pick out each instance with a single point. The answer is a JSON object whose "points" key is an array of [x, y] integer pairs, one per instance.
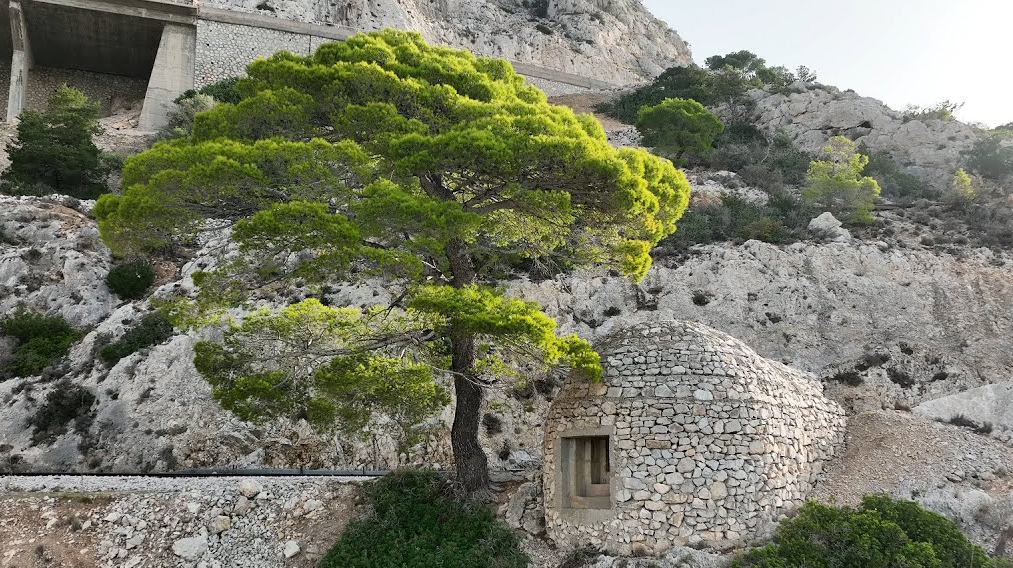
{"points": [[898, 51]]}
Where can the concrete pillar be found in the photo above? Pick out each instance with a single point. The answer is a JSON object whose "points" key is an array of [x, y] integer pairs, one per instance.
{"points": [[21, 62], [171, 75]]}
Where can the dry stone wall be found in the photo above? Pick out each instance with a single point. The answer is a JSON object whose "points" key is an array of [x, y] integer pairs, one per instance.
{"points": [[709, 442]]}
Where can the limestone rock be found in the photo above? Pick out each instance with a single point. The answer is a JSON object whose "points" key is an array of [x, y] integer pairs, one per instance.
{"points": [[812, 114], [291, 549], [250, 488], [616, 40], [827, 225], [190, 548]]}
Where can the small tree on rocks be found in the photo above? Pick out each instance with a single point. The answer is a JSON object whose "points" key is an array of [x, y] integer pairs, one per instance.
{"points": [[677, 127], [837, 184], [54, 151]]}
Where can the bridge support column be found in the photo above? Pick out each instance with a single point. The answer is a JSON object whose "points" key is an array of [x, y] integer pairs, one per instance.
{"points": [[21, 62], [171, 75]]}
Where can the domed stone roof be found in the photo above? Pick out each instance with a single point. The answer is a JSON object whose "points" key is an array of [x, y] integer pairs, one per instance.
{"points": [[691, 436]]}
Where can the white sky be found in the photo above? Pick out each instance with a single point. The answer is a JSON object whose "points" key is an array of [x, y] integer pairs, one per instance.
{"points": [[898, 51]]}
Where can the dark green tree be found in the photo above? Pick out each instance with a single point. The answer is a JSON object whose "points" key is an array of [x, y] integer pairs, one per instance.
{"points": [[426, 169], [54, 150], [677, 127], [745, 61]]}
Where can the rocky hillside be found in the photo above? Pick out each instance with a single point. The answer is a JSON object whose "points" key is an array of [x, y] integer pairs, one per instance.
{"points": [[617, 41], [929, 149]]}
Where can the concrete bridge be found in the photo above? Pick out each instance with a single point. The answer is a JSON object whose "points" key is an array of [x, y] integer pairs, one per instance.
{"points": [[156, 49]]}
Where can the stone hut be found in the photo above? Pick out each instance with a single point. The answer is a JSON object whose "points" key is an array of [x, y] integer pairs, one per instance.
{"points": [[691, 438]]}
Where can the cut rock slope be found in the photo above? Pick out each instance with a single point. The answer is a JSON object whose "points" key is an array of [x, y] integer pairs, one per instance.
{"points": [[617, 41]]}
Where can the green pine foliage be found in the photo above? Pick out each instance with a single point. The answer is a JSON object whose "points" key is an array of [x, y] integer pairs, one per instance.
{"points": [[130, 280], [54, 151], [41, 341], [153, 329], [881, 533], [676, 127], [428, 168], [416, 521], [837, 184]]}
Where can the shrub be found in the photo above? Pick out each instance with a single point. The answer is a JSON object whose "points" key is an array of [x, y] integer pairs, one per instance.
{"points": [[690, 82], [224, 91], [416, 521], [54, 151], [65, 403], [181, 117], [939, 111], [153, 329], [881, 533], [782, 220], [962, 191], [679, 126], [837, 185], [130, 280], [892, 180], [41, 340], [991, 155]]}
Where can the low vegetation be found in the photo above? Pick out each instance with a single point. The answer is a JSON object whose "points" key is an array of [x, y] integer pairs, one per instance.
{"points": [[725, 82], [65, 403], [130, 280], [991, 156], [153, 329], [881, 533], [418, 519], [783, 219], [54, 152], [41, 341]]}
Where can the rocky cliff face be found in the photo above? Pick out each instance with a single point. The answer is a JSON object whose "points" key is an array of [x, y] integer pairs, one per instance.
{"points": [[617, 41], [929, 149], [908, 323]]}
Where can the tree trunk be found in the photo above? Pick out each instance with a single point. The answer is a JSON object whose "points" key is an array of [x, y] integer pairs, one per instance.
{"points": [[472, 464], [469, 458]]}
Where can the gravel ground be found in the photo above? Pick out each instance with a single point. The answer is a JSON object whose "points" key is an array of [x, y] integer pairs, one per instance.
{"points": [[81, 483]]}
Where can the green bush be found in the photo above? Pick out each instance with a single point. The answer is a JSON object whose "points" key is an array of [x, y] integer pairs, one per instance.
{"points": [[881, 533], [65, 403], [676, 127], [153, 329], [690, 82], [416, 522], [54, 151], [224, 91], [768, 163], [130, 280], [894, 181], [782, 220], [725, 82], [41, 340], [992, 155]]}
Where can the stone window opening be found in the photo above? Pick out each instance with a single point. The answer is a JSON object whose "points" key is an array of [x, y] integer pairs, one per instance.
{"points": [[588, 478]]}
